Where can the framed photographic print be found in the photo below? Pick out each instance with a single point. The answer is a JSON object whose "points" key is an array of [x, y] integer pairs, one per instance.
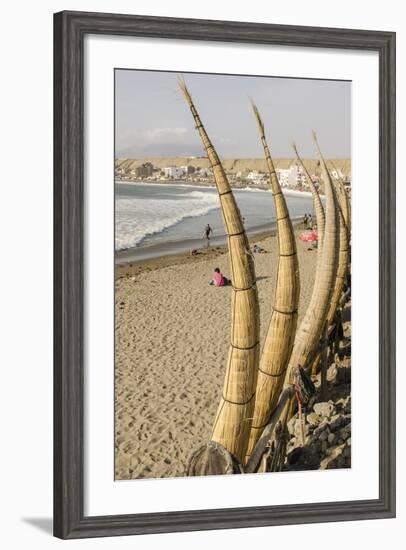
{"points": [[224, 275]]}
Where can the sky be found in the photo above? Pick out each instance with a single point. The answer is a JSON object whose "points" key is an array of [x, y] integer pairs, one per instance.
{"points": [[153, 119]]}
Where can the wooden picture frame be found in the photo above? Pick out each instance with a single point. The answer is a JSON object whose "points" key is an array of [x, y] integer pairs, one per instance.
{"points": [[70, 29]]}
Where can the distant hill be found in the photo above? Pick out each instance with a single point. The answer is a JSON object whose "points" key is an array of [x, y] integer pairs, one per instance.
{"points": [[233, 165]]}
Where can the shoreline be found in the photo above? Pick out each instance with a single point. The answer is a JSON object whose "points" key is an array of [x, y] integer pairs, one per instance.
{"points": [[184, 246], [212, 185], [140, 265]]}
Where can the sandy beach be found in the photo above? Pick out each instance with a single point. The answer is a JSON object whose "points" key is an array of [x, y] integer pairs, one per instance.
{"points": [[172, 336]]}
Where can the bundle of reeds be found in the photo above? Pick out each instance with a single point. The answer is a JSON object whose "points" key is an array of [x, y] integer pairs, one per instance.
{"points": [[318, 206], [234, 416], [311, 327], [282, 326], [343, 250], [342, 197]]}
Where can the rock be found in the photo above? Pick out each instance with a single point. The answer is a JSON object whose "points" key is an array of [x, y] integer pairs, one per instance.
{"points": [[325, 408], [332, 454], [295, 455], [343, 375], [337, 421], [322, 426], [326, 431], [324, 434], [331, 373], [340, 462], [345, 431], [313, 418], [335, 451], [316, 446], [331, 438]]}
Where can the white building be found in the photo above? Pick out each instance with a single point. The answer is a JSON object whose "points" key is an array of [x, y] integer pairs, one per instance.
{"points": [[205, 172], [283, 176], [173, 172], [255, 177], [297, 177]]}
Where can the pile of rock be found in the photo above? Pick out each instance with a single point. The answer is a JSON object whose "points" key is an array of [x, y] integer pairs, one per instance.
{"points": [[322, 438]]}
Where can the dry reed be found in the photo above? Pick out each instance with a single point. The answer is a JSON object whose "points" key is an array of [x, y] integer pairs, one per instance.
{"points": [[311, 327], [318, 206], [282, 326], [234, 416]]}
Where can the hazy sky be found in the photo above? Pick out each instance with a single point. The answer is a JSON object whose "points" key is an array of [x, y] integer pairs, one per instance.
{"points": [[153, 119]]}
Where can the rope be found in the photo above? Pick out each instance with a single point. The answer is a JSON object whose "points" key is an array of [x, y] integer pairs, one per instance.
{"points": [[242, 289], [244, 349], [273, 375], [284, 312], [237, 402]]}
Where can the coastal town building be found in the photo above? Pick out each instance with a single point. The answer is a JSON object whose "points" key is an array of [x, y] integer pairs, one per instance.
{"points": [[291, 176], [283, 176], [297, 178], [145, 170], [173, 172], [205, 172], [188, 170], [256, 177]]}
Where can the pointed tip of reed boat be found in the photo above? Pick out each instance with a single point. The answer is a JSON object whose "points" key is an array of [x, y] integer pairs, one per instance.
{"points": [[184, 89], [258, 117]]}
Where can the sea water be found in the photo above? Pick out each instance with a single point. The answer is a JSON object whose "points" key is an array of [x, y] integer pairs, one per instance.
{"points": [[149, 214]]}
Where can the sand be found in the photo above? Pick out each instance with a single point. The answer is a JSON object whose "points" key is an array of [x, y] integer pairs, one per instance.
{"points": [[172, 336]]}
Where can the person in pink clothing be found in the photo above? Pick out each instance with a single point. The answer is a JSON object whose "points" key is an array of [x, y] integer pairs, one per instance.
{"points": [[219, 279]]}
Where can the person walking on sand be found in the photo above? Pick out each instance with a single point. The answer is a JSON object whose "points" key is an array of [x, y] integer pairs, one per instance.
{"points": [[305, 218], [207, 232]]}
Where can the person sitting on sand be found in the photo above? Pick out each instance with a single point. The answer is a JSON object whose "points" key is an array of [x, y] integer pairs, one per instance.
{"points": [[258, 250], [219, 279]]}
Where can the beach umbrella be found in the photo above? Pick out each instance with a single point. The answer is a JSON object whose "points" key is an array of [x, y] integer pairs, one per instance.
{"points": [[234, 416], [310, 330], [282, 326], [318, 205]]}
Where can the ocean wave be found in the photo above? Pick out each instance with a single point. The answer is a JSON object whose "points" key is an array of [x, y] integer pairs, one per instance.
{"points": [[254, 189], [137, 218]]}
